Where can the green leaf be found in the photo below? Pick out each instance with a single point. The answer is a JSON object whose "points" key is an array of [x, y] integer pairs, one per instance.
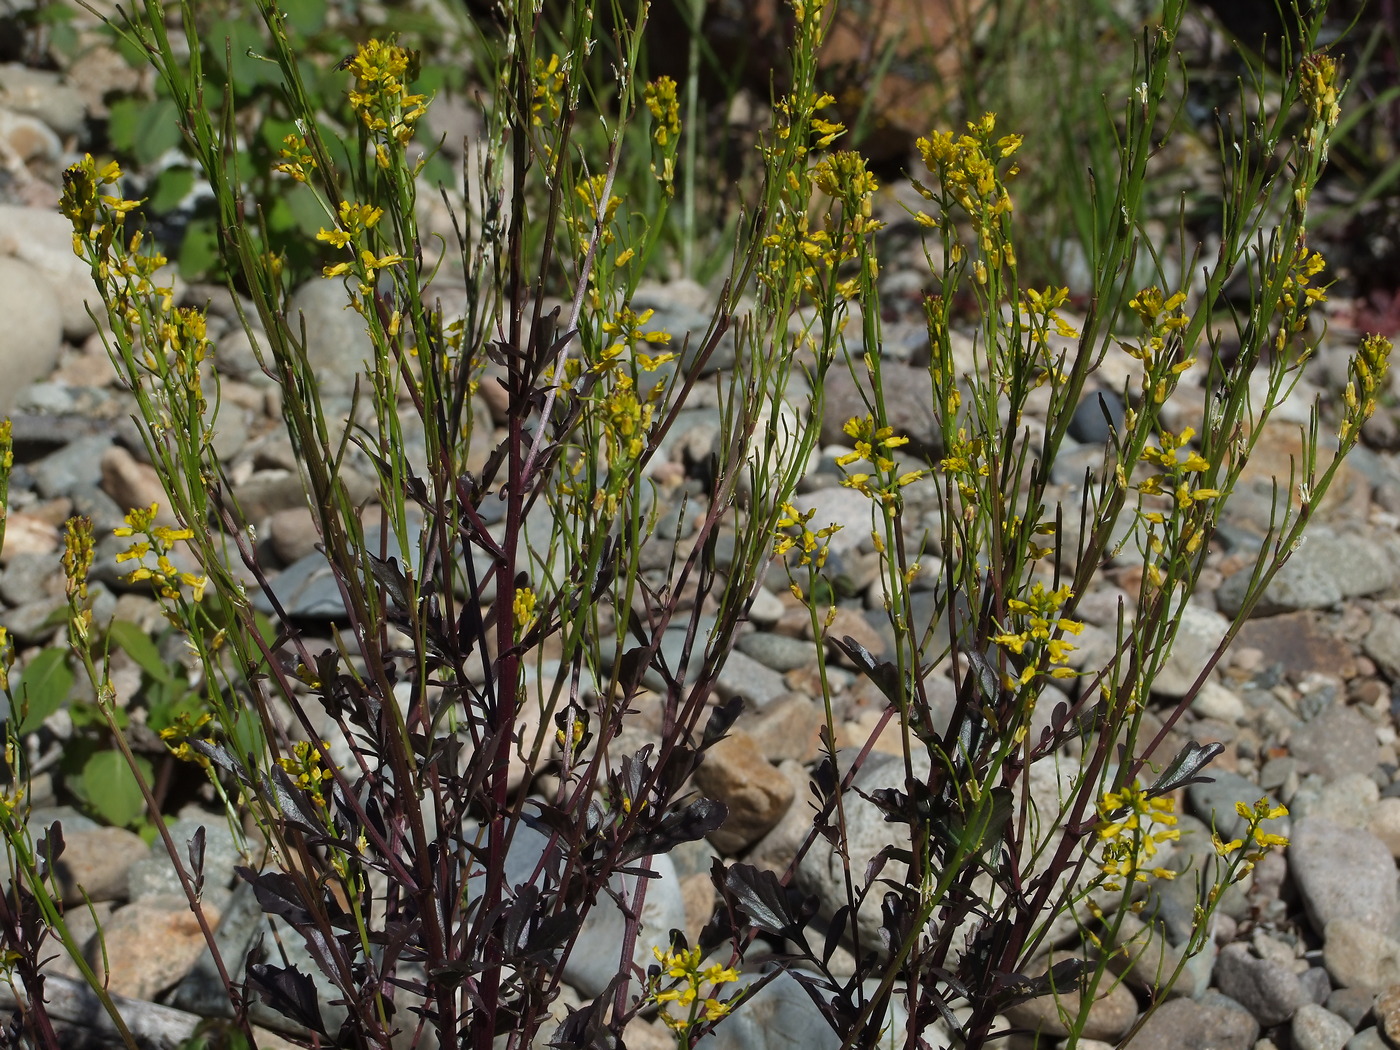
{"points": [[241, 44], [304, 16], [199, 250], [273, 132], [171, 187], [43, 687], [247, 736], [173, 701], [145, 129], [437, 172], [138, 645], [112, 790]]}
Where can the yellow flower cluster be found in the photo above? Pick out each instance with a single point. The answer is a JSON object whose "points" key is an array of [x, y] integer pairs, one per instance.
{"points": [[1161, 316], [844, 177], [661, 101], [685, 967], [970, 171], [547, 89], [185, 726], [119, 265], [808, 12], [1038, 304], [523, 607], [352, 231], [172, 344], [1318, 75], [626, 328], [812, 547], [77, 555], [160, 541], [1131, 827], [590, 191], [297, 159], [1307, 265], [626, 422], [81, 200], [306, 767], [1034, 624], [1177, 478], [381, 97], [77, 560], [1042, 310], [11, 805], [1299, 296], [1366, 376], [1176, 462], [1255, 841], [874, 446], [964, 464]]}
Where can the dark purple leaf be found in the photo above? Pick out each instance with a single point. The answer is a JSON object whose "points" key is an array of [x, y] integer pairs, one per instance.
{"points": [[288, 991], [1185, 768], [721, 718], [391, 577], [196, 851], [765, 900], [1063, 977], [294, 803], [688, 824]]}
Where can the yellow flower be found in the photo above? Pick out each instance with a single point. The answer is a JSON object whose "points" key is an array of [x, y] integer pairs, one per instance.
{"points": [[1131, 826], [160, 540], [661, 101], [684, 966]]}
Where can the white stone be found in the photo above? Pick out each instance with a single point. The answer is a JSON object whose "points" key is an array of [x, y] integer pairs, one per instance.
{"points": [[32, 334]]}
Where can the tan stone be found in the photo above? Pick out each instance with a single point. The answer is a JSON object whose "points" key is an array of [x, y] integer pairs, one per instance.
{"points": [[133, 484], [1300, 641], [736, 773], [27, 534], [1276, 457], [698, 893], [642, 1034], [788, 728], [775, 851], [849, 622], [1112, 1014], [151, 944], [1385, 824], [1387, 1013], [863, 726], [95, 862]]}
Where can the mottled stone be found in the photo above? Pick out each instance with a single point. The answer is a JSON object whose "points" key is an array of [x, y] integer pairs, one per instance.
{"points": [[1342, 873], [1213, 1020], [1358, 955], [1298, 643], [1267, 988], [1113, 1012], [736, 773], [151, 944], [1317, 1028], [1339, 740], [96, 863]]}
